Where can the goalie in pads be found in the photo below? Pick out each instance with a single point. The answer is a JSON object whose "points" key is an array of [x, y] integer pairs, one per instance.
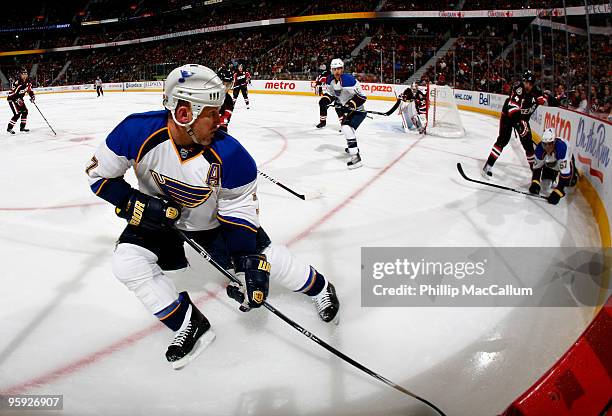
{"points": [[414, 109]]}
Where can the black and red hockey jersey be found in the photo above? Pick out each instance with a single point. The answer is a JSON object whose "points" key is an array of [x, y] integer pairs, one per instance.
{"points": [[521, 104], [225, 112], [320, 82], [419, 97], [241, 78], [322, 77], [19, 90]]}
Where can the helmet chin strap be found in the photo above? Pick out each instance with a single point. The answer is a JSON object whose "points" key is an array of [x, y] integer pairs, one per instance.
{"points": [[190, 131]]}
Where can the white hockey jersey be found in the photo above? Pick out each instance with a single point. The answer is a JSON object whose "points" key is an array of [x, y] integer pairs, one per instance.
{"points": [[345, 89], [558, 160], [214, 184]]}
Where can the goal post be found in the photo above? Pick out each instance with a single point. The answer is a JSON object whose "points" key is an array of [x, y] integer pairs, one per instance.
{"points": [[443, 117]]}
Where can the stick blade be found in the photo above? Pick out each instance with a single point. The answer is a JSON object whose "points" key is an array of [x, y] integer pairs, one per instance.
{"points": [[314, 194]]}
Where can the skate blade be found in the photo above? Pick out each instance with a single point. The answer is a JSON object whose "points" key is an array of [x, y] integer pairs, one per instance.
{"points": [[355, 166], [203, 342]]}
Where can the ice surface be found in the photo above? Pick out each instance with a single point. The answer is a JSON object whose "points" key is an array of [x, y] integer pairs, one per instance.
{"points": [[68, 327]]}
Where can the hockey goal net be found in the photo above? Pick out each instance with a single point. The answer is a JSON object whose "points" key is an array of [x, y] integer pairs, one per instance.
{"points": [[443, 117]]}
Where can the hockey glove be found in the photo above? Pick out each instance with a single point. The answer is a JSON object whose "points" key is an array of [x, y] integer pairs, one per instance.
{"points": [[236, 292], [142, 210], [32, 99], [555, 196], [351, 106], [551, 100], [255, 271], [535, 187], [345, 109]]}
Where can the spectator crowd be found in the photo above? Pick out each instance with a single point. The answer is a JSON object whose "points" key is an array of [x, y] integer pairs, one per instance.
{"points": [[482, 56]]}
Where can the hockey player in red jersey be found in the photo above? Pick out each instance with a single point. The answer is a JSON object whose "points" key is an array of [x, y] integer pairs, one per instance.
{"points": [[320, 81], [15, 100], [524, 98], [225, 112], [241, 79]]}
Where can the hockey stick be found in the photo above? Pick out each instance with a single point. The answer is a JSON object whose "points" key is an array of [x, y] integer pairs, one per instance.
{"points": [[507, 188], [286, 188], [386, 113], [44, 118], [202, 252]]}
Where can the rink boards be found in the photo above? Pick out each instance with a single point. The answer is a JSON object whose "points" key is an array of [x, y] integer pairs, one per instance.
{"points": [[589, 138]]}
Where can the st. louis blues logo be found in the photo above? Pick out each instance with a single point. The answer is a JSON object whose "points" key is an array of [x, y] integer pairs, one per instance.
{"points": [[187, 195], [185, 74]]}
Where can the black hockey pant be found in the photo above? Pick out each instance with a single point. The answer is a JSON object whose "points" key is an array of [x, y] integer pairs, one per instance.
{"points": [[324, 103], [523, 130], [245, 93], [19, 109]]}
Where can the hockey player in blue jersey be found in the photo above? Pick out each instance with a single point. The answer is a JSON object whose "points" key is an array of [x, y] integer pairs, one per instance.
{"points": [[197, 178], [344, 91], [553, 159]]}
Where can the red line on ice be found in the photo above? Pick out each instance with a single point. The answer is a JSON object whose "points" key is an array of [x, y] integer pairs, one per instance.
{"points": [[94, 357], [86, 204], [350, 198], [280, 152], [130, 340]]}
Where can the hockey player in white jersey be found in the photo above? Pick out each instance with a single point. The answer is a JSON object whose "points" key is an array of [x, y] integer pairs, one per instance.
{"points": [[197, 178], [349, 101], [553, 161], [98, 86]]}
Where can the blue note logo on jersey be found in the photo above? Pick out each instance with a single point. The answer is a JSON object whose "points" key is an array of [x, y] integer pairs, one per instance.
{"points": [[189, 196]]}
